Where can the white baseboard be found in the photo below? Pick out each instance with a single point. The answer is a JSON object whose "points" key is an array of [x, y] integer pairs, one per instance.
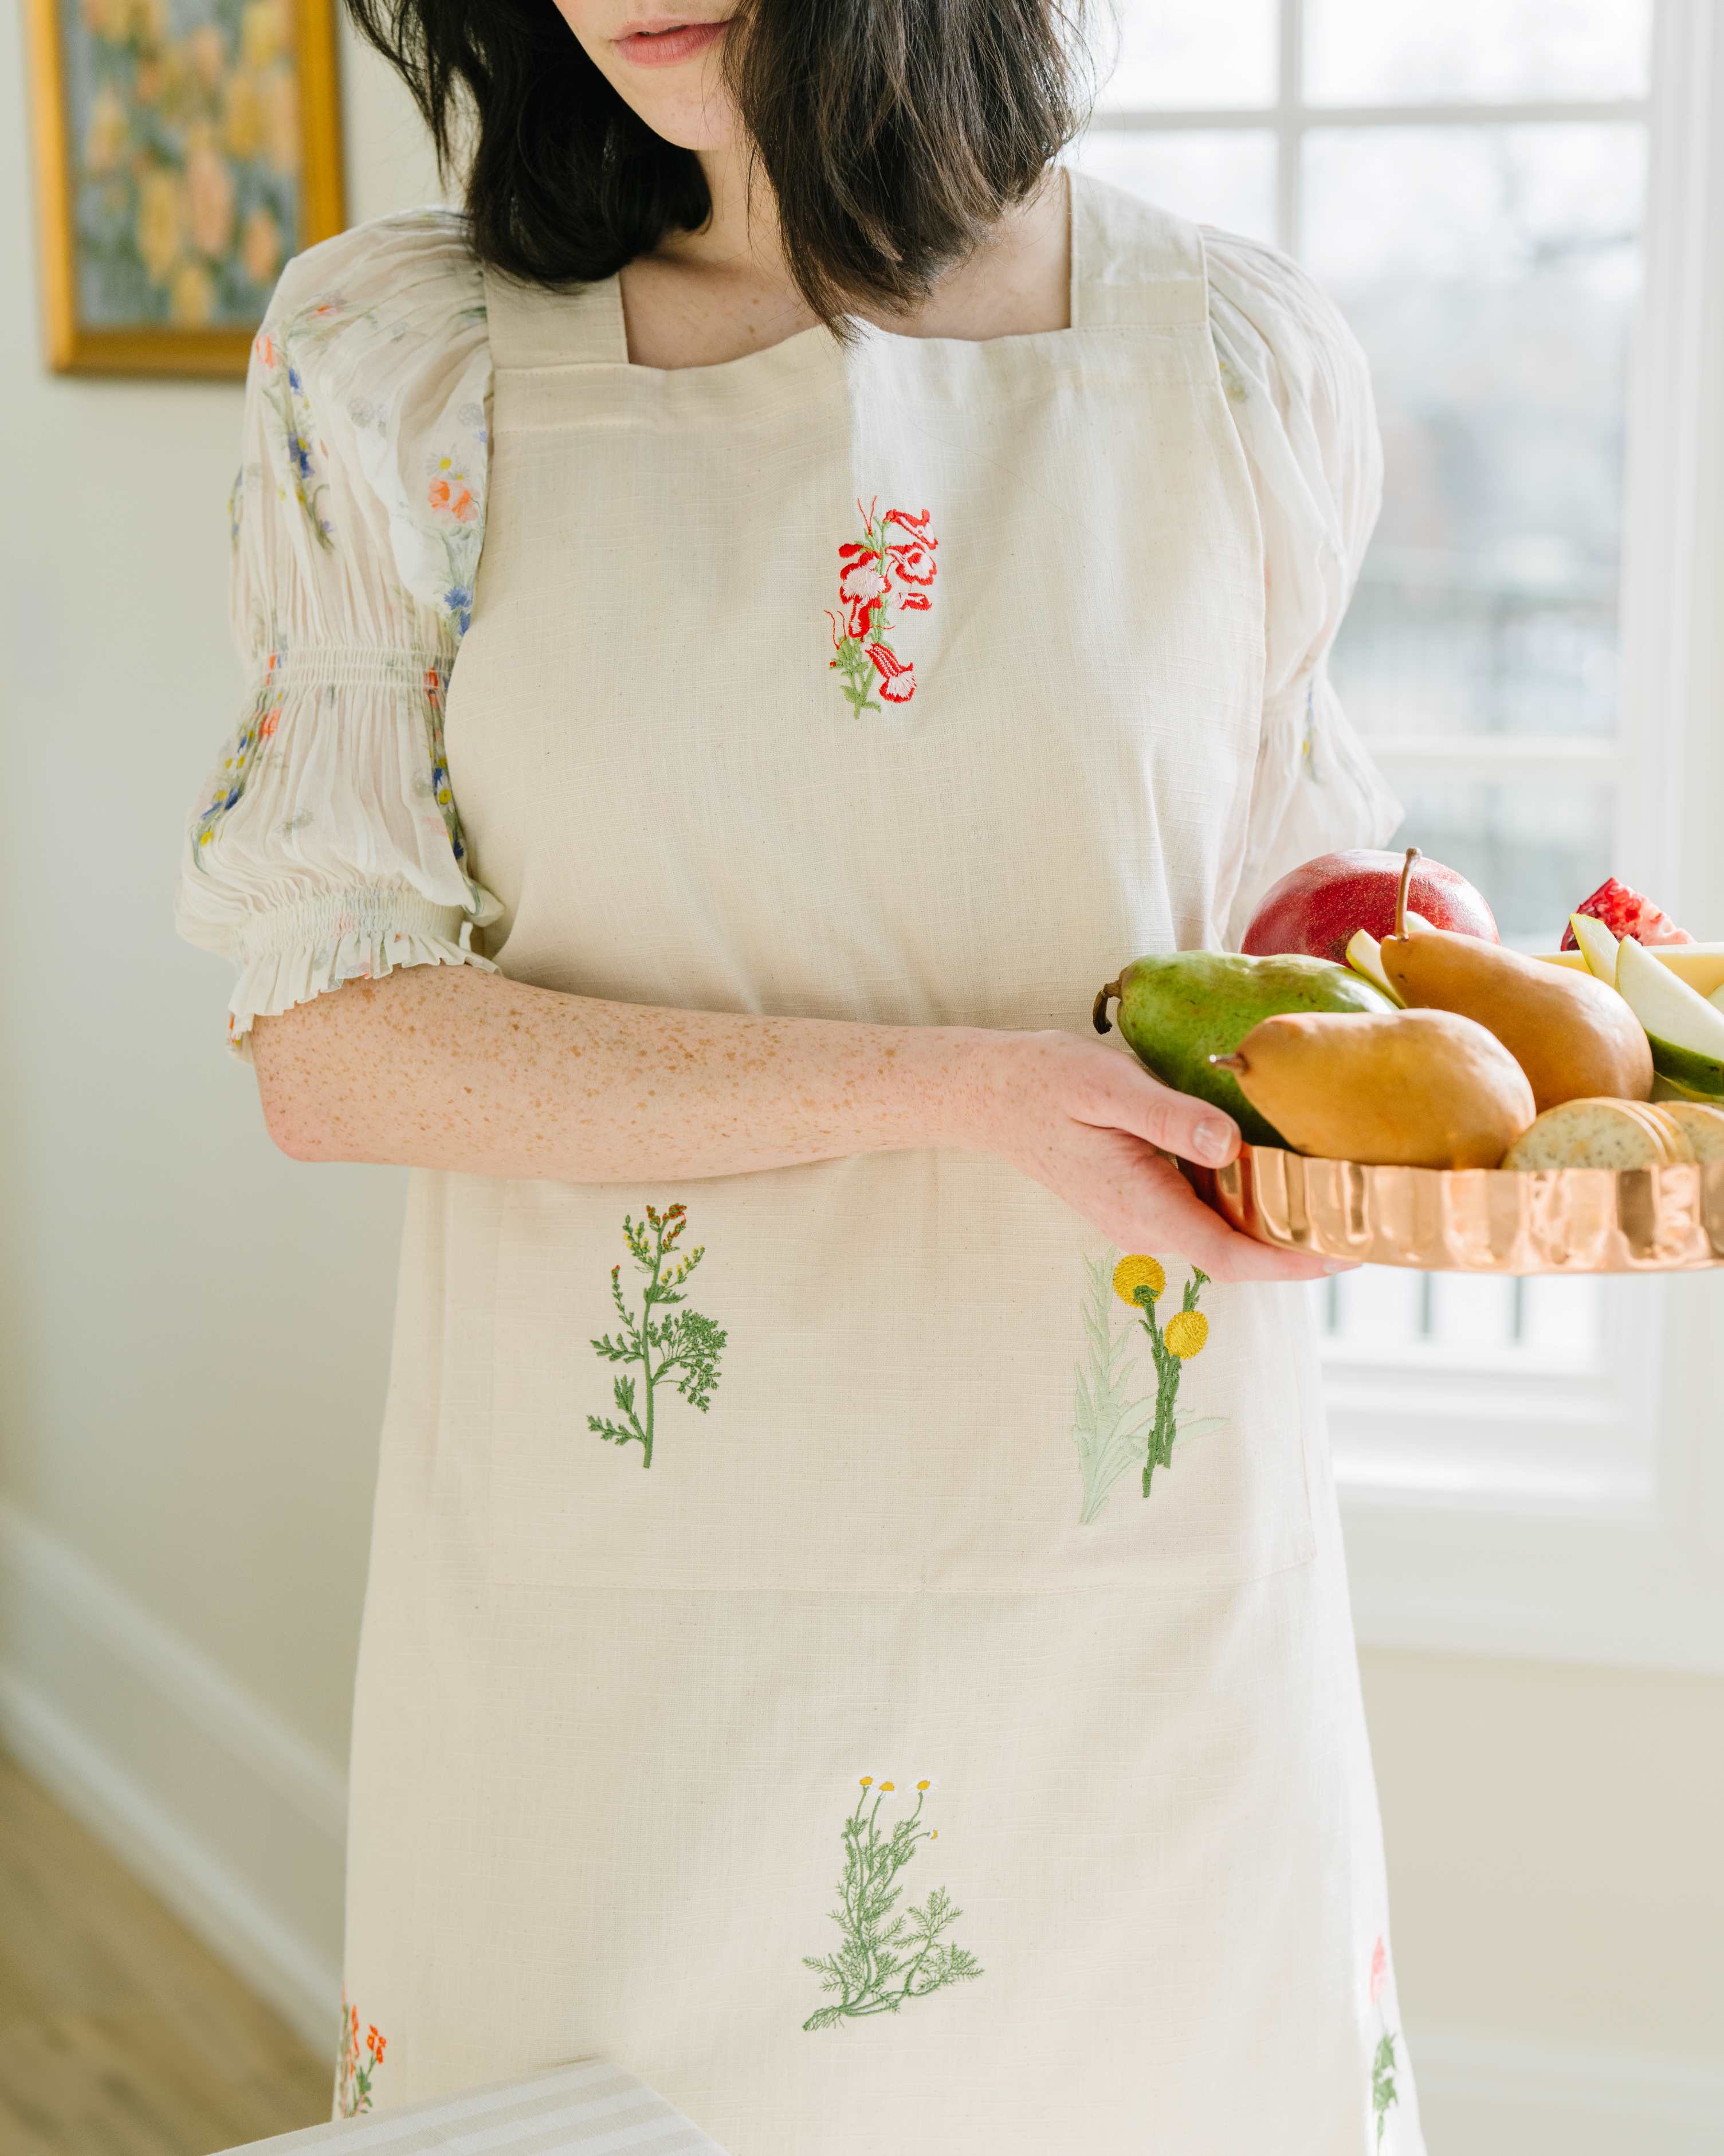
{"points": [[229, 1816], [238, 1824]]}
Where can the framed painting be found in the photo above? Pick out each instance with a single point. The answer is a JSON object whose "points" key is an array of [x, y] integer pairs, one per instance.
{"points": [[184, 149]]}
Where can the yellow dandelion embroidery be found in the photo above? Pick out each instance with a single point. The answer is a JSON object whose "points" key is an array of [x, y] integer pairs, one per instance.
{"points": [[868, 1781], [1133, 1273], [1113, 1427], [1187, 1334], [885, 1786], [922, 1785]]}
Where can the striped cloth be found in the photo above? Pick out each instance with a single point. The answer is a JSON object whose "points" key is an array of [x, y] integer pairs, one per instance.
{"points": [[594, 2107]]}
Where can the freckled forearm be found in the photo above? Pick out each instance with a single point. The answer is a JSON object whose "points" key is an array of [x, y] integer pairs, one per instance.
{"points": [[448, 1067]]}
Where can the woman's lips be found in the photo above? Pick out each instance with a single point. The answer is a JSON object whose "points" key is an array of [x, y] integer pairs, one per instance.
{"points": [[652, 44]]}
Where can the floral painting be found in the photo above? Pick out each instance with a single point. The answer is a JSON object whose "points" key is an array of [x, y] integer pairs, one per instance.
{"points": [[186, 149]]}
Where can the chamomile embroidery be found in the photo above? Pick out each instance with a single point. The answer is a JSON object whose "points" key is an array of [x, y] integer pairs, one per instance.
{"points": [[884, 1959], [1114, 1429], [356, 2063], [687, 1345], [890, 570]]}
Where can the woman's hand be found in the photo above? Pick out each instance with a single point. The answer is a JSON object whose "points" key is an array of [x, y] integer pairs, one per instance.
{"points": [[445, 1067], [1092, 1125]]}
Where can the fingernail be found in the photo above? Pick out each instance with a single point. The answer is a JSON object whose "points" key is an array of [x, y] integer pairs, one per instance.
{"points": [[1212, 1141]]}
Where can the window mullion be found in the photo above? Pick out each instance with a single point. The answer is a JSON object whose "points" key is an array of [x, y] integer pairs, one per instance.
{"points": [[1290, 96], [1446, 112]]}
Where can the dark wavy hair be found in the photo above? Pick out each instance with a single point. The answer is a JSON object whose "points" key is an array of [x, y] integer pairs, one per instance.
{"points": [[892, 133]]}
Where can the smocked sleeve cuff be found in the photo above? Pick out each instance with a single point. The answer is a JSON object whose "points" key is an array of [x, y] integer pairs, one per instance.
{"points": [[296, 954]]}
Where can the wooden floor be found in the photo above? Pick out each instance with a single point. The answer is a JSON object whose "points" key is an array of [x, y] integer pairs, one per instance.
{"points": [[120, 2034]]}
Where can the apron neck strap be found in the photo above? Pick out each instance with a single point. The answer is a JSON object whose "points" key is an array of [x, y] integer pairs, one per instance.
{"points": [[531, 325], [1132, 266]]}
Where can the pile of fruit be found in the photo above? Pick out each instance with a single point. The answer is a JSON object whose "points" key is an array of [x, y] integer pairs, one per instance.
{"points": [[1374, 1015]]}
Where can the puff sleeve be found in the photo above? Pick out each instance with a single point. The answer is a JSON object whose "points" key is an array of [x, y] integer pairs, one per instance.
{"points": [[1300, 392], [326, 845]]}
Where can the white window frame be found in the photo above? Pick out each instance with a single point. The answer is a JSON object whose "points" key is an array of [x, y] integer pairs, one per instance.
{"points": [[1526, 1510]]}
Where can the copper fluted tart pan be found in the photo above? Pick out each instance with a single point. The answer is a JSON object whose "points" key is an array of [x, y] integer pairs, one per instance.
{"points": [[1475, 1220]]}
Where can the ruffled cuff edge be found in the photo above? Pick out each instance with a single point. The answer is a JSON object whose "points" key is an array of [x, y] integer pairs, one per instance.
{"points": [[364, 942]]}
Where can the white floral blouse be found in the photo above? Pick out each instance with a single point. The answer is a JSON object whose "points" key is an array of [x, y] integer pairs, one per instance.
{"points": [[326, 845]]}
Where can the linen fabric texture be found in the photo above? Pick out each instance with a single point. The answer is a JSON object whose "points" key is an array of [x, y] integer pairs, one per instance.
{"points": [[925, 1713]]}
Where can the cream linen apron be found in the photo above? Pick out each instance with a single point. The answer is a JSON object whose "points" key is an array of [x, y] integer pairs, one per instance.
{"points": [[775, 1676]]}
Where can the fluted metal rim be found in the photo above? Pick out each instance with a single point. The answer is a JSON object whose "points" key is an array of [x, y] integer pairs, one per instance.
{"points": [[1476, 1221]]}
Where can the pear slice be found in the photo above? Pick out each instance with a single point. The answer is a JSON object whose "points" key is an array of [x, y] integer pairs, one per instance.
{"points": [[1687, 1032], [1364, 954], [1671, 1090], [1700, 965], [1598, 946]]}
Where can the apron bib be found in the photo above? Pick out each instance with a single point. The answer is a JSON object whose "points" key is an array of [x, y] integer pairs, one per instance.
{"points": [[847, 1643]]}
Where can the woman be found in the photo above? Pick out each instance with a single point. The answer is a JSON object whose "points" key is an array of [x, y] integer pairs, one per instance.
{"points": [[856, 1629]]}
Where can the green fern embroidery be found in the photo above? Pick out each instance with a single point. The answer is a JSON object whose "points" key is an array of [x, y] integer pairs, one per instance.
{"points": [[884, 1959], [1383, 2084], [686, 1343], [1113, 1431]]}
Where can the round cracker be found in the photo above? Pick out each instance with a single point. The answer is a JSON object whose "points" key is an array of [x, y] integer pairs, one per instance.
{"points": [[1594, 1134], [1703, 1127]]}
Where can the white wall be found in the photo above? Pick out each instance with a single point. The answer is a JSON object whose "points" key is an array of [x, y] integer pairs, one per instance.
{"points": [[190, 1325], [193, 1337]]}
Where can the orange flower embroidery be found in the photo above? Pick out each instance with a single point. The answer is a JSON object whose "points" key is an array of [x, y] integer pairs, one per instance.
{"points": [[356, 2063]]}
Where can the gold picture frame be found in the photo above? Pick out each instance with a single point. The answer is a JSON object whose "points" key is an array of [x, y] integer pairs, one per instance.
{"points": [[184, 150]]}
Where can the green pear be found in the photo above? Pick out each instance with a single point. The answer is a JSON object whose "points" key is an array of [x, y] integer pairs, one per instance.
{"points": [[1179, 1009]]}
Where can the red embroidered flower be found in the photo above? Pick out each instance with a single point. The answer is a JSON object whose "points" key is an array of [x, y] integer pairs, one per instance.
{"points": [[897, 676], [888, 571], [1379, 1970], [862, 584], [913, 558]]}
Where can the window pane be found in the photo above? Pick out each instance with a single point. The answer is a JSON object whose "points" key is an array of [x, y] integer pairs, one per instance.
{"points": [[1227, 179], [1187, 53], [1377, 53], [1534, 846], [1491, 274], [1384, 1313]]}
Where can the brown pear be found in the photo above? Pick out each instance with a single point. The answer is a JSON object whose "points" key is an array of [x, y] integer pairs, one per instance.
{"points": [[1407, 1088], [1573, 1035]]}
